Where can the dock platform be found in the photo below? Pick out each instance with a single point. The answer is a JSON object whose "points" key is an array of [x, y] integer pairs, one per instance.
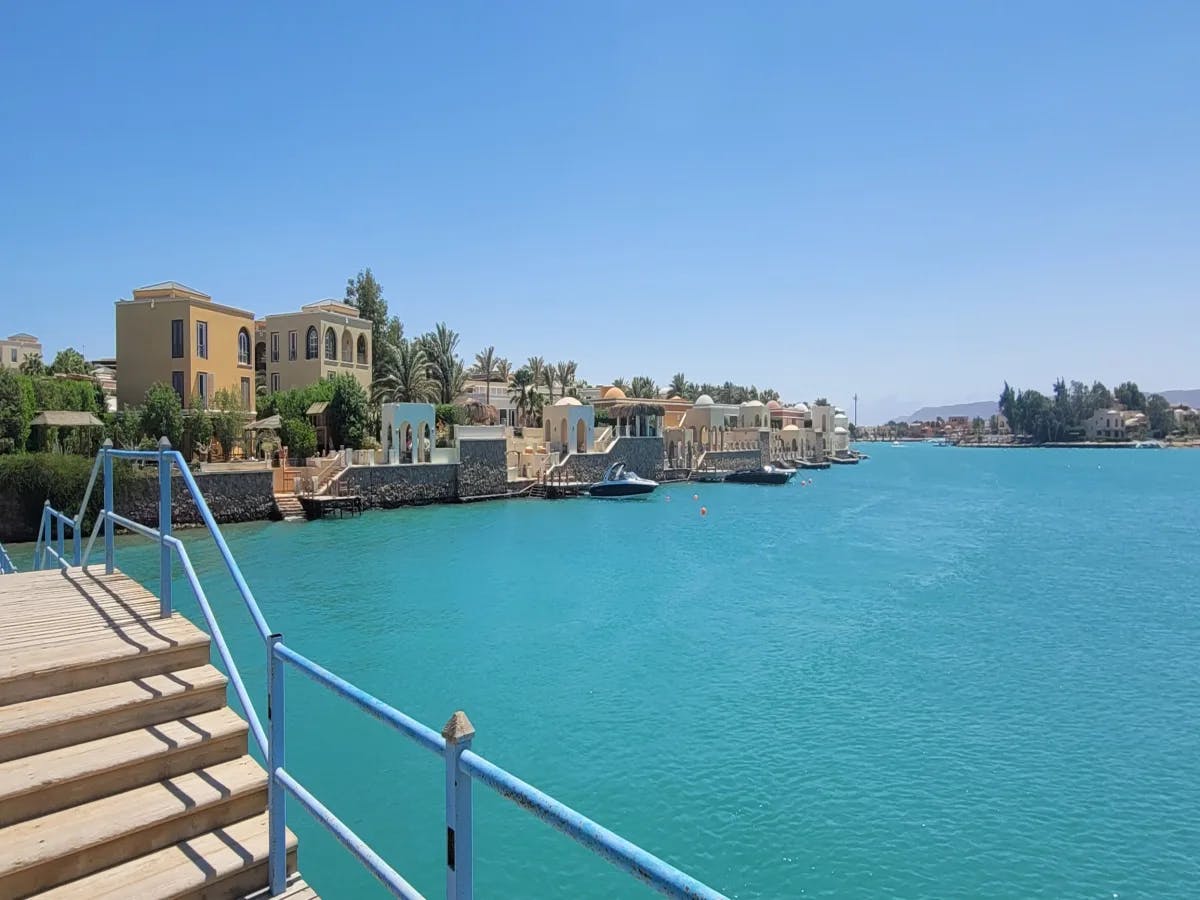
{"points": [[326, 504], [123, 771]]}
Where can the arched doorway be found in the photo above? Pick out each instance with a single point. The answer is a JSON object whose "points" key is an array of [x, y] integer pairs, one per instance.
{"points": [[426, 443], [562, 431], [581, 436], [407, 455]]}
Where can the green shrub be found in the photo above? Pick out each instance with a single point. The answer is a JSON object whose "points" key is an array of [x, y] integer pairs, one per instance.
{"points": [[162, 414], [34, 478], [299, 437], [348, 412]]}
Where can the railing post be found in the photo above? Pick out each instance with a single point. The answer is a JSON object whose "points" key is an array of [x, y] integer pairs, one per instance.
{"points": [[164, 527], [60, 530], [276, 759], [458, 733], [76, 555], [108, 505], [43, 536]]}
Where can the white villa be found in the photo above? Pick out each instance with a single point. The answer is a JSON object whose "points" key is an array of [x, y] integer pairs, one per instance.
{"points": [[569, 426]]}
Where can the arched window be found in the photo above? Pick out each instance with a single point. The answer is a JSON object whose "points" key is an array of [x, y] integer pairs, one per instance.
{"points": [[310, 340], [347, 346], [243, 347], [362, 350], [330, 344]]}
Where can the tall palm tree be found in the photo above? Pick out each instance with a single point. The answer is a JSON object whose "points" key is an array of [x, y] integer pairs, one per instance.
{"points": [[518, 392], [621, 384], [679, 385], [562, 371], [537, 370], [535, 404], [643, 386], [405, 376], [503, 370], [485, 368], [440, 346]]}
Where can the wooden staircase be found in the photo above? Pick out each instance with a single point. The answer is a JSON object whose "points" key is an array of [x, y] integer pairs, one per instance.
{"points": [[123, 773]]}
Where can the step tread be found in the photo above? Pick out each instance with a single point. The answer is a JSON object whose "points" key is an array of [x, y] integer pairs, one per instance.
{"points": [[54, 769], [179, 870], [43, 712], [74, 830]]}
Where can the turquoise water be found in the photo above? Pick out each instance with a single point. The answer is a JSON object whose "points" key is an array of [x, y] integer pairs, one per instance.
{"points": [[941, 673]]}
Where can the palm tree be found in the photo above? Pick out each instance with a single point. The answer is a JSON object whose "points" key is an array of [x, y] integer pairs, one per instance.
{"points": [[444, 365], [679, 385], [565, 373], [537, 370], [643, 386], [33, 364], [485, 367], [503, 370], [621, 384], [405, 377], [518, 392], [535, 404]]}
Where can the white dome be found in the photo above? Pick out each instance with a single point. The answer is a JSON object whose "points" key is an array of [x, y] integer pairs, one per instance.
{"points": [[753, 403], [801, 407], [704, 400], [791, 428], [840, 430], [567, 401]]}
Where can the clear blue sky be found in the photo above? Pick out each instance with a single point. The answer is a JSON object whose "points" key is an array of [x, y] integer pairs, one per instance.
{"points": [[911, 201]]}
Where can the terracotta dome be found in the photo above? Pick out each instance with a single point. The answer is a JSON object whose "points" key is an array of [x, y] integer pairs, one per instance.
{"points": [[614, 393], [704, 400], [773, 404], [675, 398], [567, 401]]}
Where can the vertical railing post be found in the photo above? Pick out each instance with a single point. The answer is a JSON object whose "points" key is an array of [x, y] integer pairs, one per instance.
{"points": [[76, 555], [60, 530], [108, 505], [164, 527], [276, 759], [43, 536], [458, 733]]}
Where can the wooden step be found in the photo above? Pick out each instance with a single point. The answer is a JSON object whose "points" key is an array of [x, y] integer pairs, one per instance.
{"points": [[59, 779], [62, 846], [48, 723], [99, 655], [222, 864]]}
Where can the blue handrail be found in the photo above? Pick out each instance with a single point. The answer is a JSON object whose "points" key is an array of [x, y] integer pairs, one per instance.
{"points": [[6, 563], [462, 765]]}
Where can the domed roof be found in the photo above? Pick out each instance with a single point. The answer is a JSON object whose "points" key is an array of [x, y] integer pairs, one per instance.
{"points": [[614, 393], [840, 430], [567, 401], [801, 407], [791, 427], [752, 403], [704, 400], [675, 397], [773, 404]]}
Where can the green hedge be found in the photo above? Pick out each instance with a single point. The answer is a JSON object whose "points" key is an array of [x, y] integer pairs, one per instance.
{"points": [[34, 478]]}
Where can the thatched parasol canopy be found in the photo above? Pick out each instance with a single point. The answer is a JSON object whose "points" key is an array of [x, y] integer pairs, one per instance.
{"points": [[481, 414], [635, 408]]}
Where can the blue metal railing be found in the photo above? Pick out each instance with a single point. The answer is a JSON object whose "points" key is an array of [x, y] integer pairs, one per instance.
{"points": [[6, 563], [463, 766]]}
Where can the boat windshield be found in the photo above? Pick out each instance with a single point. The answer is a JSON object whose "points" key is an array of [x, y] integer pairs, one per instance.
{"points": [[615, 472]]}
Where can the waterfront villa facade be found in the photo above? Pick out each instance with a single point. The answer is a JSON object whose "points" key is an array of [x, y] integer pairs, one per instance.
{"points": [[1105, 425], [178, 336], [16, 348], [322, 339]]}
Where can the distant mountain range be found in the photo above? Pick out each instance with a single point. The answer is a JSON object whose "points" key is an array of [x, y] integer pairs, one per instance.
{"points": [[981, 408], [987, 408]]}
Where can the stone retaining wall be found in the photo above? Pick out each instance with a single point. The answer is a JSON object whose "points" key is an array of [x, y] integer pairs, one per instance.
{"points": [[483, 467], [387, 487], [642, 455], [232, 497], [732, 459]]}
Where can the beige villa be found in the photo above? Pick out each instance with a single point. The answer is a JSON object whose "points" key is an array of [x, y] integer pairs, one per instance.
{"points": [[176, 335], [321, 340], [16, 348]]}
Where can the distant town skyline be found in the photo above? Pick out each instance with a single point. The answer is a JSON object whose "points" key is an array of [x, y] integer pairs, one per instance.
{"points": [[907, 203]]}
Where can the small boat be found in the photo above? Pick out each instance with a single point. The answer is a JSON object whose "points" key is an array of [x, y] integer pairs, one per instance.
{"points": [[1148, 445], [844, 460], [710, 476], [811, 464], [897, 444], [761, 475], [783, 464], [617, 482]]}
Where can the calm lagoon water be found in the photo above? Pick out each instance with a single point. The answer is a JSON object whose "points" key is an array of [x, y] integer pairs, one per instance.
{"points": [[941, 673]]}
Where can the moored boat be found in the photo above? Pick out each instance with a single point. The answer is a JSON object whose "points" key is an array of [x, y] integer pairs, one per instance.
{"points": [[618, 482], [760, 475]]}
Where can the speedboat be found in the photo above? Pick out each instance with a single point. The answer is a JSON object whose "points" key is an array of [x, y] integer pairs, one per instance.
{"points": [[761, 475], [618, 482], [897, 444], [1148, 445]]}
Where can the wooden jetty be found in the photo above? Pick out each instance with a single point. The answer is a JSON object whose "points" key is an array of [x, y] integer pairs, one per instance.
{"points": [[123, 771], [325, 504]]}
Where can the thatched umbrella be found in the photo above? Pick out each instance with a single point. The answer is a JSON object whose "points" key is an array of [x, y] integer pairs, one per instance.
{"points": [[481, 414], [637, 409]]}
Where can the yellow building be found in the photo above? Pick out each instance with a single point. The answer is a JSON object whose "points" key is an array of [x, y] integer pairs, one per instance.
{"points": [[173, 334], [16, 348], [319, 341]]}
